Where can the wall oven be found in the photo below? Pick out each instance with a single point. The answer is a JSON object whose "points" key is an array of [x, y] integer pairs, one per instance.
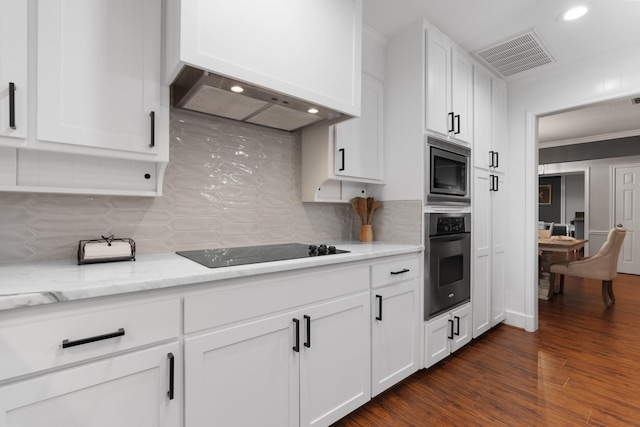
{"points": [[447, 262], [446, 172]]}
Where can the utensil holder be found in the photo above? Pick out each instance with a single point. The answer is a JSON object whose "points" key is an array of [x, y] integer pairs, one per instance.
{"points": [[366, 233]]}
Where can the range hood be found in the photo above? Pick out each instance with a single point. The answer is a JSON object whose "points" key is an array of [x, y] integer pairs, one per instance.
{"points": [[210, 93]]}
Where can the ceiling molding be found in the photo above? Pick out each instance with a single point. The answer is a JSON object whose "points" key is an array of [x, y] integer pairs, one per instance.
{"points": [[591, 138]]}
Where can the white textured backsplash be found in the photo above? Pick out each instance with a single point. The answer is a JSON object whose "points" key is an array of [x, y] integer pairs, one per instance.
{"points": [[227, 184]]}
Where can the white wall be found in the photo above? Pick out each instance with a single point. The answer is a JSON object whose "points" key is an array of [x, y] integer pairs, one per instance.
{"points": [[600, 78]]}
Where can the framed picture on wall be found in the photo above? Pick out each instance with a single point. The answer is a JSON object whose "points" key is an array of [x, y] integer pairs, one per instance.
{"points": [[544, 194]]}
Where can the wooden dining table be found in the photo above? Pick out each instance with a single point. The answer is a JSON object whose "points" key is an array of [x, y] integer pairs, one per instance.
{"points": [[548, 246]]}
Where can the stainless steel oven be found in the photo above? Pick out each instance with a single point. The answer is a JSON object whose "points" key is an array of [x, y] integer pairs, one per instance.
{"points": [[447, 173], [447, 261]]}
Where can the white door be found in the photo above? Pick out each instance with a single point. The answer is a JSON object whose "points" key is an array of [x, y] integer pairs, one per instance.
{"points": [[437, 341], [99, 65], [481, 261], [243, 376], [335, 359], [125, 391], [13, 68], [439, 115], [498, 251], [394, 330], [461, 327], [461, 96], [627, 213]]}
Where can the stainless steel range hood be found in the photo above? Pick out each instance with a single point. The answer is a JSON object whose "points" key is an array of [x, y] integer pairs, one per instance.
{"points": [[210, 93]]}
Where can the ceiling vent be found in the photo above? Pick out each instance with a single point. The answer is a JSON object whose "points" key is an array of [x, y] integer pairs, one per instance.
{"points": [[518, 54], [635, 101]]}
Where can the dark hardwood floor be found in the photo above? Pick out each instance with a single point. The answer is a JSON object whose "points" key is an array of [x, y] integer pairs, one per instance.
{"points": [[582, 367]]}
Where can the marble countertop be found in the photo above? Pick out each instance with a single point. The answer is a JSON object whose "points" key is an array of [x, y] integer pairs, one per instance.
{"points": [[46, 282]]}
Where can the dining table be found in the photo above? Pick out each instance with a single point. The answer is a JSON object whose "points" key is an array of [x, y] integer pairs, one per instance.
{"points": [[548, 246]]}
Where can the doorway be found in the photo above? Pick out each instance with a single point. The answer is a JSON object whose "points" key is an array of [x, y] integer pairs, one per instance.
{"points": [[627, 214]]}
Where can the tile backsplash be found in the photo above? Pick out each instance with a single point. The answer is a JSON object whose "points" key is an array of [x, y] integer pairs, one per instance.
{"points": [[227, 184]]}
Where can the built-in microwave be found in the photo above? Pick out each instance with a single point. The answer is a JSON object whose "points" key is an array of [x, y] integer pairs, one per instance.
{"points": [[446, 172]]}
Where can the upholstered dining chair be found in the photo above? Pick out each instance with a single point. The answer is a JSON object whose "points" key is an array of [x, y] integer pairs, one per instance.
{"points": [[601, 266]]}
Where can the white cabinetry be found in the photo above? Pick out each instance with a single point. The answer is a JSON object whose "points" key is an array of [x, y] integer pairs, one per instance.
{"points": [[395, 314], [80, 365], [489, 205], [318, 58], [308, 364], [99, 122], [339, 159], [447, 333], [449, 89], [13, 68]]}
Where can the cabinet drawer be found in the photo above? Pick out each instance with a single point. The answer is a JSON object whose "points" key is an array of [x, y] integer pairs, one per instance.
{"points": [[60, 335], [259, 297], [394, 270]]}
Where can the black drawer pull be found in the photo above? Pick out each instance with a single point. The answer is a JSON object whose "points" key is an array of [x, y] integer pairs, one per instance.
{"points": [[67, 343], [172, 365], [342, 155], [457, 325], [307, 343], [404, 270], [12, 105], [450, 322], [296, 347], [379, 316], [153, 129]]}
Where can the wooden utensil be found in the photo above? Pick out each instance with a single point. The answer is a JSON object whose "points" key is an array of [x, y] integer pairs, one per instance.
{"points": [[363, 209], [357, 204], [375, 205]]}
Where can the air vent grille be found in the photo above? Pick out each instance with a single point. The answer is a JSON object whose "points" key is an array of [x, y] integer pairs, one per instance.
{"points": [[518, 54], [636, 100]]}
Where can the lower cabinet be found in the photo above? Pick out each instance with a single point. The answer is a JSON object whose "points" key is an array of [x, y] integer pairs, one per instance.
{"points": [[447, 333], [307, 367], [130, 390], [395, 334]]}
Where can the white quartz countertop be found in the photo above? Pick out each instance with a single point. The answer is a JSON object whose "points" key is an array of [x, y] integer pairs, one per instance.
{"points": [[37, 283]]}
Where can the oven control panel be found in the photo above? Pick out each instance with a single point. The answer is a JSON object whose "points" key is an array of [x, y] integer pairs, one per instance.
{"points": [[450, 225], [439, 224]]}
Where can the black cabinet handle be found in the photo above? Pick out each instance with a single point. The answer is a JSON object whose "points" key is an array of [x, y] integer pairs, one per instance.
{"points": [[497, 159], [404, 270], [296, 347], [495, 186], [457, 325], [450, 120], [307, 343], [491, 154], [450, 329], [153, 129], [379, 316], [67, 343], [172, 366], [458, 122], [342, 155], [12, 105]]}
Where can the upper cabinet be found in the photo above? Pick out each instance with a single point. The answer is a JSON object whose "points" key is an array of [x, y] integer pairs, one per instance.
{"points": [[449, 89], [338, 160], [95, 117], [309, 50], [13, 68], [99, 73]]}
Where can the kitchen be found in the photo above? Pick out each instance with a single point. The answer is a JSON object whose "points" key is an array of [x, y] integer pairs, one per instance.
{"points": [[252, 212]]}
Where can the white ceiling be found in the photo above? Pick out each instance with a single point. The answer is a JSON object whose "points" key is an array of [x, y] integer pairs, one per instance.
{"points": [[475, 25]]}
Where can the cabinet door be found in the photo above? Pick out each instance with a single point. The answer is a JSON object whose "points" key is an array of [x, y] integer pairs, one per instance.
{"points": [[126, 391], [245, 375], [359, 142], [438, 83], [436, 340], [481, 284], [99, 68], [335, 362], [499, 119], [462, 327], [498, 237], [395, 336], [13, 68], [462, 96]]}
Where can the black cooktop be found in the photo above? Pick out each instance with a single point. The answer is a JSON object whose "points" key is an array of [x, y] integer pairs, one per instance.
{"points": [[226, 257]]}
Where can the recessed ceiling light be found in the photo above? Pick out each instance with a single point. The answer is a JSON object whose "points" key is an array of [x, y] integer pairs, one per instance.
{"points": [[312, 110], [237, 89], [575, 13]]}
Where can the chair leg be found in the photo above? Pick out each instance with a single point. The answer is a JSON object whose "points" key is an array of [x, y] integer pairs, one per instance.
{"points": [[610, 290], [605, 293], [561, 284], [552, 285]]}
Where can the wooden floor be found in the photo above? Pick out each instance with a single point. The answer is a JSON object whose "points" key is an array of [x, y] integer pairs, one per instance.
{"points": [[582, 367]]}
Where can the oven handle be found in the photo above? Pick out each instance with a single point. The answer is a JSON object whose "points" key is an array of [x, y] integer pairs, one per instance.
{"points": [[451, 237]]}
